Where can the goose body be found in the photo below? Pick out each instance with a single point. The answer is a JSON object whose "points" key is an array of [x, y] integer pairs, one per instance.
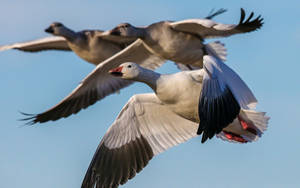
{"points": [[177, 98], [176, 46], [151, 123], [92, 48]]}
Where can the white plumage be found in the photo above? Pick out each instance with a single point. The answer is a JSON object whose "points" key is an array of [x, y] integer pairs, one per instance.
{"points": [[151, 123]]}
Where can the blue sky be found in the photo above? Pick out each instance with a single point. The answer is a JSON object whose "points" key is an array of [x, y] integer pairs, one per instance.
{"points": [[57, 154]]}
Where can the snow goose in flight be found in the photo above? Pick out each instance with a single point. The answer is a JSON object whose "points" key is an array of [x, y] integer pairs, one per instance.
{"points": [[182, 41], [87, 94], [151, 123], [87, 44]]}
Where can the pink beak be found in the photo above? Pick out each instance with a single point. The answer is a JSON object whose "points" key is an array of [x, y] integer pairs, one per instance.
{"points": [[116, 71]]}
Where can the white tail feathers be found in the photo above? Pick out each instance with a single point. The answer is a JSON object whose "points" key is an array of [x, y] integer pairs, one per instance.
{"points": [[259, 119], [248, 127], [217, 49]]}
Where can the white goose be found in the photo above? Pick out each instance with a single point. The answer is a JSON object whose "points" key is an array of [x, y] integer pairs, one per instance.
{"points": [[151, 123], [160, 41]]}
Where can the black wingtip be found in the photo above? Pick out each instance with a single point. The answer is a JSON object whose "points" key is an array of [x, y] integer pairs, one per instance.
{"points": [[200, 130], [249, 18], [243, 14], [249, 25], [31, 118], [212, 14], [204, 138]]}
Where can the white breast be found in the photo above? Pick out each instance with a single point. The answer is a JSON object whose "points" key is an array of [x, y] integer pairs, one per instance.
{"points": [[181, 93]]}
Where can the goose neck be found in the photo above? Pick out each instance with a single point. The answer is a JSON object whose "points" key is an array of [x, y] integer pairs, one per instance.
{"points": [[68, 34], [140, 32], [148, 77]]}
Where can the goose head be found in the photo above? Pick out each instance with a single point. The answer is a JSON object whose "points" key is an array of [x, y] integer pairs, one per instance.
{"points": [[126, 30], [56, 28], [127, 71]]}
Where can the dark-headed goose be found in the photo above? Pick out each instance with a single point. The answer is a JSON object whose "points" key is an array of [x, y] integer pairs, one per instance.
{"points": [[151, 123]]}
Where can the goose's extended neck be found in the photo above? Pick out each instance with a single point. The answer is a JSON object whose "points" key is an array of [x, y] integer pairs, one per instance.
{"points": [[148, 77], [140, 32], [68, 34]]}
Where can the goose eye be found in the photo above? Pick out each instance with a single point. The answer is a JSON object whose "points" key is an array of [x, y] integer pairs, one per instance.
{"points": [[129, 66]]}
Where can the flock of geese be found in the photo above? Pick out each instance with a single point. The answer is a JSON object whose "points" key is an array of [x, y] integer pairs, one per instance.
{"points": [[206, 98]]}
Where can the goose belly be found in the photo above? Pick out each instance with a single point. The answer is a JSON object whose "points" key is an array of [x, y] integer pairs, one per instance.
{"points": [[179, 47], [182, 98], [187, 109], [95, 53], [185, 51]]}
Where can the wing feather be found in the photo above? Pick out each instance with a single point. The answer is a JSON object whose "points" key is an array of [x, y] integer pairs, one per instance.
{"points": [[207, 28], [154, 129], [47, 43], [99, 83], [223, 94]]}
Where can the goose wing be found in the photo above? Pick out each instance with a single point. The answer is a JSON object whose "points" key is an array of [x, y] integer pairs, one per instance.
{"points": [[47, 43], [223, 94], [144, 128], [99, 83], [207, 28]]}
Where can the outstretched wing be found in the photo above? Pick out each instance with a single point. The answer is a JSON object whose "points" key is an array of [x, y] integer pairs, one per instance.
{"points": [[47, 43], [143, 129], [99, 83], [223, 94], [207, 28]]}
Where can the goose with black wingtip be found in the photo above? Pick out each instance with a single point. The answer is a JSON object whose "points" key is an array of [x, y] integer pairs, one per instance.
{"points": [[151, 123]]}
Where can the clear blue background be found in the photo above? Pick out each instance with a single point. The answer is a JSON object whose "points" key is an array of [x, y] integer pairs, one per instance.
{"points": [[57, 154]]}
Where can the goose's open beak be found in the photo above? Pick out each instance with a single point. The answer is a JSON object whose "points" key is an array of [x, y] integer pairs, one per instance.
{"points": [[49, 30], [116, 71]]}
